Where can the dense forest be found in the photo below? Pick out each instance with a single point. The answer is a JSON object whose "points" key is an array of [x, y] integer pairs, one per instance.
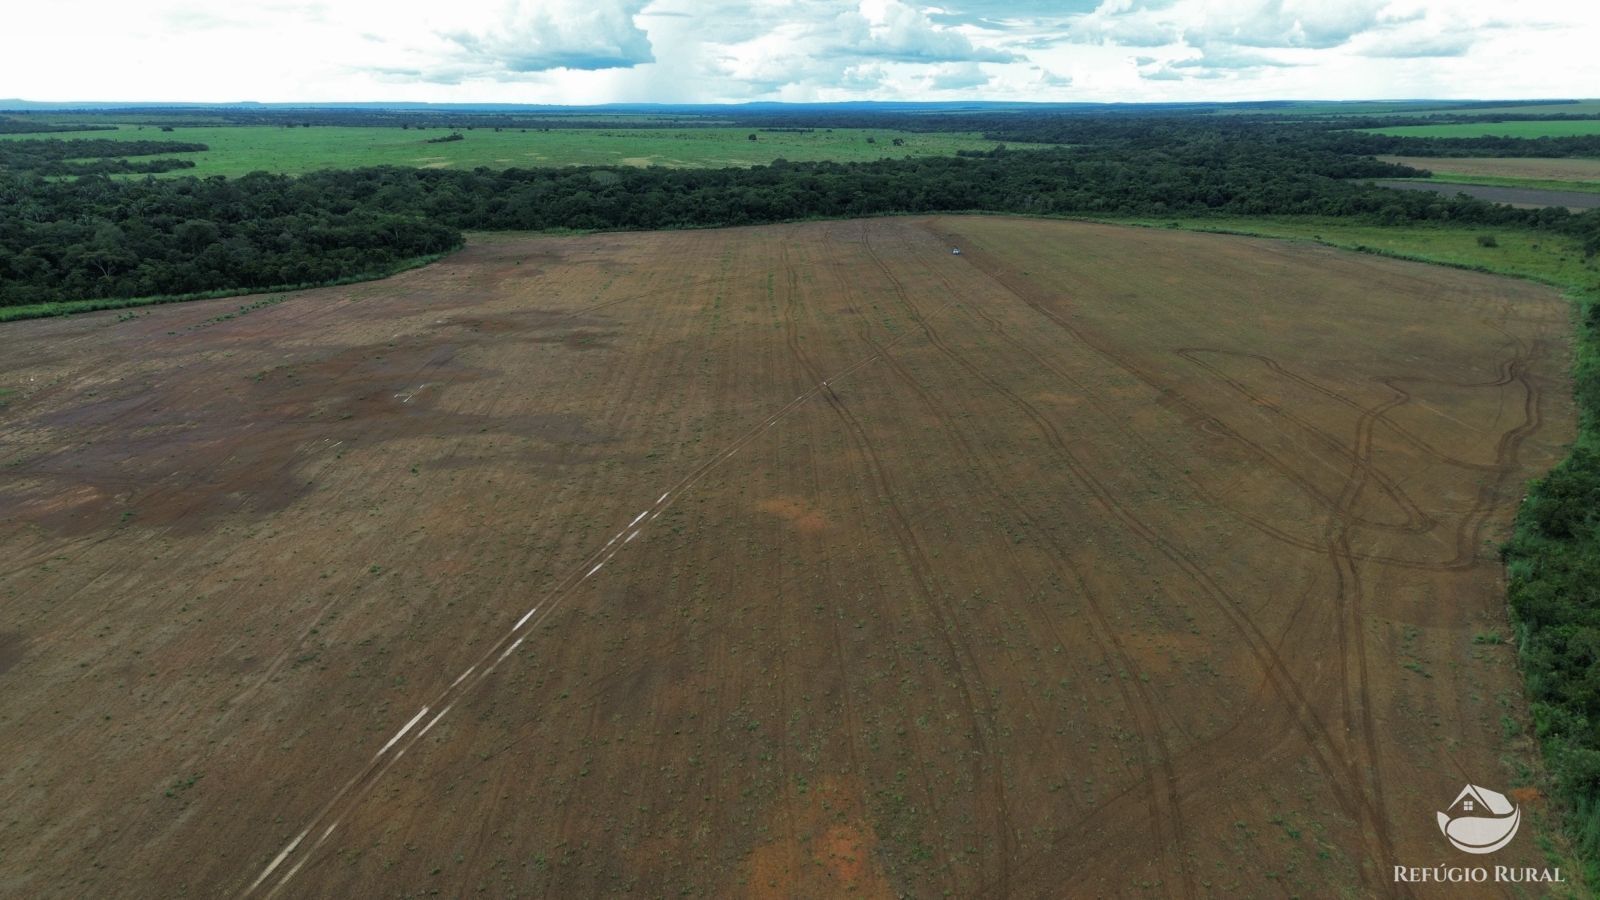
{"points": [[101, 237], [9, 125], [57, 157], [1341, 137]]}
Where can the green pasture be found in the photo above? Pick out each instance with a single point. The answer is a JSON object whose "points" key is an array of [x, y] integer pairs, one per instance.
{"points": [[1520, 252], [236, 150], [1517, 129]]}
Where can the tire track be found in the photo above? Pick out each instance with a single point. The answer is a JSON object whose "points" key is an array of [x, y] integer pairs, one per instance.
{"points": [[1350, 596], [358, 787], [1166, 817], [960, 657], [1165, 806], [1218, 428], [1406, 434], [1417, 521], [1320, 740]]}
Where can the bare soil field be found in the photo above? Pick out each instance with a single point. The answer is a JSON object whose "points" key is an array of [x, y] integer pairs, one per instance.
{"points": [[1520, 197], [789, 561], [1505, 167]]}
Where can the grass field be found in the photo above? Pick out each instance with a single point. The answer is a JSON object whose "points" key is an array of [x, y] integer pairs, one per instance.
{"points": [[1575, 108], [1411, 108], [1521, 253], [1578, 108], [1519, 129], [236, 150], [782, 561]]}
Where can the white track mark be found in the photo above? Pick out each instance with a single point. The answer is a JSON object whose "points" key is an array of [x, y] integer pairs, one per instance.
{"points": [[290, 874], [514, 644], [431, 722], [402, 732], [604, 554], [525, 617], [278, 860]]}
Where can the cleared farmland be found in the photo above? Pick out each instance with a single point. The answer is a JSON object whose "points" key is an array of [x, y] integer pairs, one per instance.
{"points": [[775, 561], [1520, 197], [1522, 168]]}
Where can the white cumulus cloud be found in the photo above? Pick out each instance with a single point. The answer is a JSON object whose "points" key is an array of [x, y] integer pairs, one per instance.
{"points": [[595, 51], [538, 35]]}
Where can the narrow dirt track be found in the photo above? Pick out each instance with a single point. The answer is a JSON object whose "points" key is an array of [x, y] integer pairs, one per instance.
{"points": [[781, 561]]}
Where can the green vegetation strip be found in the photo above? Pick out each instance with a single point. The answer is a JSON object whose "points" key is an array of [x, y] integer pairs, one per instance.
{"points": [[1514, 128], [70, 307], [1553, 557]]}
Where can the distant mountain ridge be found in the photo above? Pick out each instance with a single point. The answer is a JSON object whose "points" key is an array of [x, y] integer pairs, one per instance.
{"points": [[16, 104]]}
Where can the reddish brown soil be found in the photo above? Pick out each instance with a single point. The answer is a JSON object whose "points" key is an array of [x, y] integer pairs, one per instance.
{"points": [[1106, 562], [1552, 169]]}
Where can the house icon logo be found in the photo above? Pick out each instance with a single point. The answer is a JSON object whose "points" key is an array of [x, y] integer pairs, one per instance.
{"points": [[1480, 820]]}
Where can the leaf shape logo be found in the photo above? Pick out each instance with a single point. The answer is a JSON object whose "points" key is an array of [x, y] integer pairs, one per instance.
{"points": [[1480, 820]]}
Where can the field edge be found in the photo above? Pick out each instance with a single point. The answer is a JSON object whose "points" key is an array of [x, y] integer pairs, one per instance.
{"points": [[1538, 562], [53, 308]]}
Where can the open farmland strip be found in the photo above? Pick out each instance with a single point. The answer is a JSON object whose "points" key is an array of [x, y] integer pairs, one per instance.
{"points": [[1159, 781], [1274, 667], [1167, 811], [359, 786], [1279, 675], [960, 656]]}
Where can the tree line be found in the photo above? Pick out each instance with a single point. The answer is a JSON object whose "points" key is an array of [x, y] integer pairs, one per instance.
{"points": [[99, 237], [98, 156], [9, 125]]}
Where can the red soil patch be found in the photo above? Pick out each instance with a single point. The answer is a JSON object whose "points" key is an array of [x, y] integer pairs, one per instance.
{"points": [[796, 512]]}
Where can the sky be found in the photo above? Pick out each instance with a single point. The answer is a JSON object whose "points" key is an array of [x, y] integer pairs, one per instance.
{"points": [[581, 52]]}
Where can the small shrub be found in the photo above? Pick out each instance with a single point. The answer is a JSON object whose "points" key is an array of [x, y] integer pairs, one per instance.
{"points": [[1487, 240]]}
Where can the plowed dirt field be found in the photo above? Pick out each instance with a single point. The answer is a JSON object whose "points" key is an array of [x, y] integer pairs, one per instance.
{"points": [[779, 561]]}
